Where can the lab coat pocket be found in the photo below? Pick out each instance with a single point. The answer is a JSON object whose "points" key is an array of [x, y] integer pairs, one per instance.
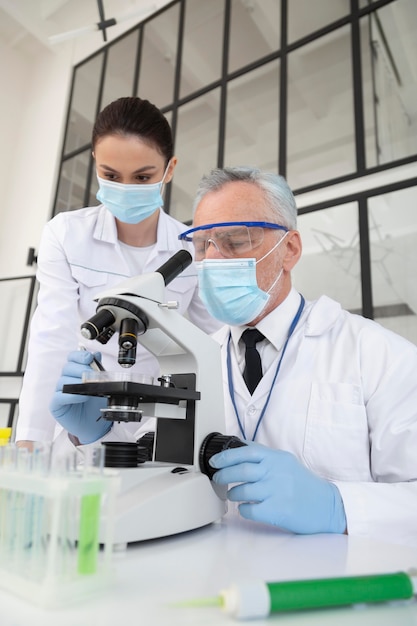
{"points": [[336, 444]]}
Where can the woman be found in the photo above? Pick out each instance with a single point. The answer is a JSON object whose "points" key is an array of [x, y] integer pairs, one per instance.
{"points": [[86, 251]]}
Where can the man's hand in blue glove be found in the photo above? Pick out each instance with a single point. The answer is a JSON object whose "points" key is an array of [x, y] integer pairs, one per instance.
{"points": [[78, 414], [275, 488]]}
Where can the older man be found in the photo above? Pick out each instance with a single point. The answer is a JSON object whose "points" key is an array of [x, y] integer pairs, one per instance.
{"points": [[336, 405], [325, 400]]}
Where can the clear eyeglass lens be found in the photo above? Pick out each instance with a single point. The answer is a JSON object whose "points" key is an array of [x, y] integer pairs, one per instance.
{"points": [[231, 241]]}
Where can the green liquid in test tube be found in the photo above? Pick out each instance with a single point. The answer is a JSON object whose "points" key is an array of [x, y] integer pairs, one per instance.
{"points": [[88, 545]]}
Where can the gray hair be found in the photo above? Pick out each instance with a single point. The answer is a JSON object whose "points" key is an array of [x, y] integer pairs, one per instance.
{"points": [[277, 193]]}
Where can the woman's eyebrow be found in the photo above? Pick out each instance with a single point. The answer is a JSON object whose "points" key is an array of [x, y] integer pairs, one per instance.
{"points": [[145, 168]]}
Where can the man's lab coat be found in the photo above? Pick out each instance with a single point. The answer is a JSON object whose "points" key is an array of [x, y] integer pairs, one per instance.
{"points": [[345, 403]]}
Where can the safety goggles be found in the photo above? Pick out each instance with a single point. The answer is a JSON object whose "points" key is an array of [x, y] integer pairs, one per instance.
{"points": [[231, 239]]}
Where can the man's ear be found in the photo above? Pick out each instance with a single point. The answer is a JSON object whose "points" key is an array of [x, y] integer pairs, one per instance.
{"points": [[293, 250]]}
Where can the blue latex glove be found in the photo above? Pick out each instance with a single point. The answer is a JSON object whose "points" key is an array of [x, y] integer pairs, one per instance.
{"points": [[79, 415], [275, 488]]}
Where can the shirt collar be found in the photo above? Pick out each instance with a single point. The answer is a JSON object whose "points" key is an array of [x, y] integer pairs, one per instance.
{"points": [[106, 230], [276, 324], [163, 240]]}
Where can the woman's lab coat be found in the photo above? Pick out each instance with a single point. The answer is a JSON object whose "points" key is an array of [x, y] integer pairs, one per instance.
{"points": [[345, 403], [80, 256]]}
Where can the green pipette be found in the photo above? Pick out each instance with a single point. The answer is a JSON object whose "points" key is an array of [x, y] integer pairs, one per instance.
{"points": [[257, 599]]}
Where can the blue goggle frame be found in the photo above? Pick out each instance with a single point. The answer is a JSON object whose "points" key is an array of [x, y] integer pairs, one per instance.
{"points": [[185, 236]]}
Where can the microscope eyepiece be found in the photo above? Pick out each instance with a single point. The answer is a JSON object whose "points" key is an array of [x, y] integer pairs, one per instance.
{"points": [[175, 265]]}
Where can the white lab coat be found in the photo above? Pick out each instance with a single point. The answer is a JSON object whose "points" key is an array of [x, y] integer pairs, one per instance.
{"points": [[345, 404], [80, 256]]}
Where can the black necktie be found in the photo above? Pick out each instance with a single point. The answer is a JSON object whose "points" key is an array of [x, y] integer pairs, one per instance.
{"points": [[252, 373]]}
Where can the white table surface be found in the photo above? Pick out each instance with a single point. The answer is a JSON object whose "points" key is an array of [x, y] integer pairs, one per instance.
{"points": [[152, 576]]}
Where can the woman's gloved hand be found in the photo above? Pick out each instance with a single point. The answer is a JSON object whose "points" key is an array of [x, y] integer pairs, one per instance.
{"points": [[275, 488], [79, 415]]}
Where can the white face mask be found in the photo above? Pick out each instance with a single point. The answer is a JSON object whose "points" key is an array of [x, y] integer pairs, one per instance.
{"points": [[230, 291], [131, 204]]}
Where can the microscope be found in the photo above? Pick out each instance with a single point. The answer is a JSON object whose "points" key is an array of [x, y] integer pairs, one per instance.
{"points": [[168, 487]]}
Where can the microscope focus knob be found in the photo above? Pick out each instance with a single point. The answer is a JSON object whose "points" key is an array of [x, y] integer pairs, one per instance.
{"points": [[212, 444]]}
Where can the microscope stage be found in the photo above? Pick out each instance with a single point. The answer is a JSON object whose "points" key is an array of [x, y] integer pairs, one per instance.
{"points": [[142, 391]]}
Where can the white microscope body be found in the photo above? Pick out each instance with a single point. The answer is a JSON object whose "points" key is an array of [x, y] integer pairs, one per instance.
{"points": [[169, 494]]}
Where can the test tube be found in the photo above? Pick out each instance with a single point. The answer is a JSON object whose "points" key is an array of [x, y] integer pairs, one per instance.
{"points": [[90, 509]]}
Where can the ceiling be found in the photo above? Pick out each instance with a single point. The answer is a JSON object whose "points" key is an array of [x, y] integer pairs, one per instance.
{"points": [[29, 24]]}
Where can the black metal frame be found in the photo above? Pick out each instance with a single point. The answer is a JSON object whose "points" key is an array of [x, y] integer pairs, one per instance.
{"points": [[353, 20]]}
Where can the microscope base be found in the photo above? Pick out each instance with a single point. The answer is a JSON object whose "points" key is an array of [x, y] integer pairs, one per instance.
{"points": [[158, 500]]}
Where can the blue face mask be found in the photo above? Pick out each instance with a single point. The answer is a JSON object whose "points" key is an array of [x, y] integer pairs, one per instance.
{"points": [[131, 204], [229, 289]]}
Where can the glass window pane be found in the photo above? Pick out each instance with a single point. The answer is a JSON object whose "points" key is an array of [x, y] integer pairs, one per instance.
{"points": [[303, 19], [330, 263], [73, 182], [393, 234], [93, 190], [83, 105], [321, 137], [202, 44], [196, 149], [120, 68], [14, 294], [389, 50], [252, 119], [5, 411], [254, 31], [158, 58]]}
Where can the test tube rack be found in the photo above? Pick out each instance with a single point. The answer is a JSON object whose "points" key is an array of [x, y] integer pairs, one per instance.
{"points": [[50, 522]]}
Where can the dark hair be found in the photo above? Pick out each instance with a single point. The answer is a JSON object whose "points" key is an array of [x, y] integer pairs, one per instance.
{"points": [[134, 116]]}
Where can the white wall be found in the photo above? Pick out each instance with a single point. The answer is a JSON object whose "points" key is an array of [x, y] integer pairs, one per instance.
{"points": [[34, 87], [32, 111]]}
